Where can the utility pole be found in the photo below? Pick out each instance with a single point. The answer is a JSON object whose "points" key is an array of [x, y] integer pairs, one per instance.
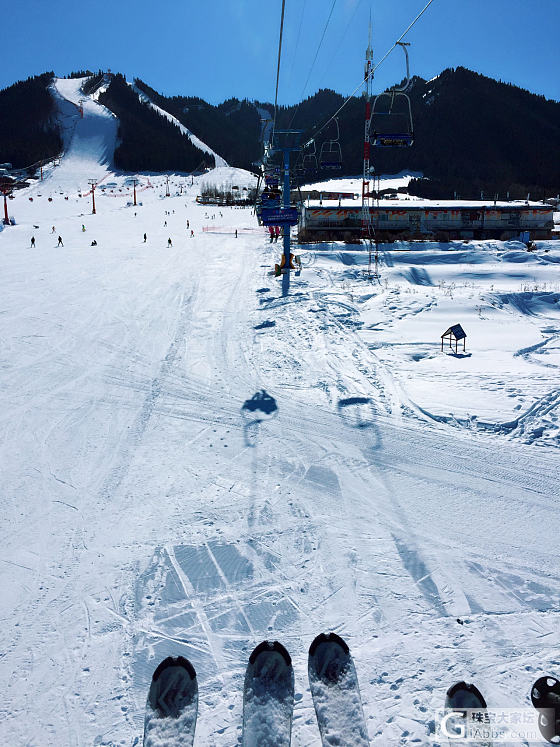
{"points": [[6, 218], [287, 141], [368, 230], [93, 183], [135, 182]]}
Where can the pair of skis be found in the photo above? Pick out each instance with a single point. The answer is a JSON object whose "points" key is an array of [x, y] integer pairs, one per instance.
{"points": [[545, 697], [268, 700], [172, 706]]}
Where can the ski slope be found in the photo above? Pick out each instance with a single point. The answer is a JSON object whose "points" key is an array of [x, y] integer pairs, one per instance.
{"points": [[218, 160], [149, 508], [89, 142]]}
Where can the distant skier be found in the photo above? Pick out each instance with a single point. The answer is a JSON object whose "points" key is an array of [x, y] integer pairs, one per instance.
{"points": [[145, 238], [33, 242], [60, 241], [94, 243], [165, 224], [192, 233], [236, 233], [83, 228], [53, 230], [169, 242], [188, 225]]}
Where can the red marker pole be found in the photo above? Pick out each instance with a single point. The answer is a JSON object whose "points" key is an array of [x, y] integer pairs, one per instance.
{"points": [[93, 183], [6, 219]]}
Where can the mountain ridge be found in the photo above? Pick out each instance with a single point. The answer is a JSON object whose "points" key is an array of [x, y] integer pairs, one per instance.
{"points": [[472, 133]]}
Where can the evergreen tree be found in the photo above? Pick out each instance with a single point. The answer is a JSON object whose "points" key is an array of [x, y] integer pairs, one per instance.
{"points": [[29, 130]]}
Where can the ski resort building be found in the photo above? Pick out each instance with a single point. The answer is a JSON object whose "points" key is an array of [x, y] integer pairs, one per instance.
{"points": [[436, 221]]}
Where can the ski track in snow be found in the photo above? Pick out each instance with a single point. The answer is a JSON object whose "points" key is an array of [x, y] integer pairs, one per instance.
{"points": [[393, 490]]}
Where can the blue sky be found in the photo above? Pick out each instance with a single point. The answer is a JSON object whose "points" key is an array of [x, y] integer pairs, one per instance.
{"points": [[227, 48]]}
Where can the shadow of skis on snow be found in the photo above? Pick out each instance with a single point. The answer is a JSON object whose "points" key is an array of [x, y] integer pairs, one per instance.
{"points": [[336, 693], [268, 697]]}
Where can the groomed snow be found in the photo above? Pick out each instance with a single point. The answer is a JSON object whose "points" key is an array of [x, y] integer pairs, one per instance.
{"points": [[354, 184], [146, 512]]}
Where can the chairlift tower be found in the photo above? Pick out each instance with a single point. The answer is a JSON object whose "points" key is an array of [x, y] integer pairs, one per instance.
{"points": [[286, 142], [93, 184], [368, 231]]}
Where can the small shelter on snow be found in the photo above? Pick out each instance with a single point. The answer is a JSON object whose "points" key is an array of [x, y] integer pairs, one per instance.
{"points": [[456, 332]]}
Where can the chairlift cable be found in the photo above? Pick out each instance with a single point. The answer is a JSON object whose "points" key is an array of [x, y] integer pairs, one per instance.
{"points": [[334, 56], [313, 63], [278, 66], [373, 69], [297, 40]]}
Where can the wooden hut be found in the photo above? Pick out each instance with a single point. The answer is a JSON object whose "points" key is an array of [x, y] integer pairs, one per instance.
{"points": [[456, 332]]}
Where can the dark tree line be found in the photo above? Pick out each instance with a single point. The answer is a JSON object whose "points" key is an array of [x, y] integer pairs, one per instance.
{"points": [[147, 140], [472, 134], [231, 129], [93, 82], [79, 74], [29, 131]]}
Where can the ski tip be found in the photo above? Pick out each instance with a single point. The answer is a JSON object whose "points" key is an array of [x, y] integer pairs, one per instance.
{"points": [[270, 646], [178, 661], [328, 638], [545, 693], [461, 694]]}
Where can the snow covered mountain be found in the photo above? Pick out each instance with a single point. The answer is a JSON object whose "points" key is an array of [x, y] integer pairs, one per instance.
{"points": [[198, 456], [218, 160], [459, 118]]}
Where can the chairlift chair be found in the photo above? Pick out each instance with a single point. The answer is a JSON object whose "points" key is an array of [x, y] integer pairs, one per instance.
{"points": [[309, 163], [391, 124], [330, 156]]}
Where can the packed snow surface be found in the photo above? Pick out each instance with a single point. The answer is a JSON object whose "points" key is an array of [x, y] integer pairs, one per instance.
{"points": [[383, 490]]}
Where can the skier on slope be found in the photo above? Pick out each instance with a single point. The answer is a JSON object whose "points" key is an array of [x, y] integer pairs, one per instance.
{"points": [[169, 242], [33, 242], [145, 238], [60, 241]]}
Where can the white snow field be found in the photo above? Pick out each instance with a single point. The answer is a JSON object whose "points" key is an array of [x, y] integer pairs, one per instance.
{"points": [[147, 510]]}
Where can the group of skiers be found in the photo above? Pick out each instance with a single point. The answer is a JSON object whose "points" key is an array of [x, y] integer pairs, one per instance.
{"points": [[61, 243]]}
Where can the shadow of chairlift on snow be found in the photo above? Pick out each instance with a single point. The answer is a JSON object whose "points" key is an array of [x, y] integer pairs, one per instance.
{"points": [[260, 408], [265, 325], [356, 412], [359, 412]]}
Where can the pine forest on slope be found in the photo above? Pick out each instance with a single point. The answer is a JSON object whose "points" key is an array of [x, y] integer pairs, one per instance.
{"points": [[472, 133]]}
